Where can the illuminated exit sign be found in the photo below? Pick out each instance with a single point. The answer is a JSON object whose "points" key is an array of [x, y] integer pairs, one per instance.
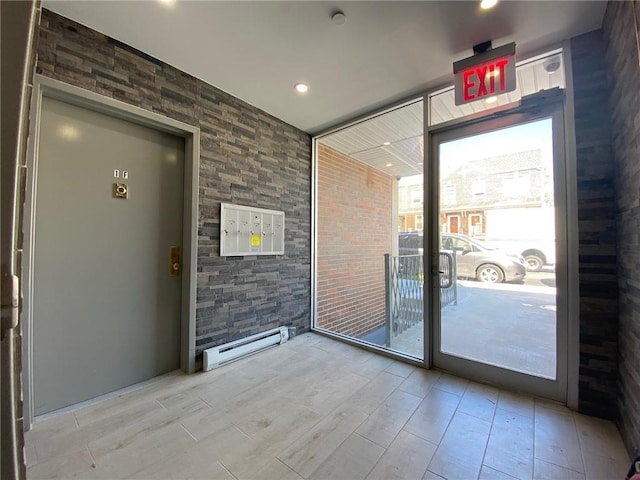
{"points": [[485, 75]]}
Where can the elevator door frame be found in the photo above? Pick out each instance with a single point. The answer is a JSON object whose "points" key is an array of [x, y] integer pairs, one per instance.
{"points": [[47, 87]]}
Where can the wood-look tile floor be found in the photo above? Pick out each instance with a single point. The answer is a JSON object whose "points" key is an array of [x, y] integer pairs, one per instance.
{"points": [[315, 408]]}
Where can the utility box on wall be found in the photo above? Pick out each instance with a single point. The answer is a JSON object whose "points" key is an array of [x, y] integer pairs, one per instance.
{"points": [[250, 231]]}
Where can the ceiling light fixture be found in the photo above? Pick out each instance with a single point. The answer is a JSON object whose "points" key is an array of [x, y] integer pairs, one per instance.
{"points": [[302, 87], [386, 143], [487, 4], [168, 3], [389, 164]]}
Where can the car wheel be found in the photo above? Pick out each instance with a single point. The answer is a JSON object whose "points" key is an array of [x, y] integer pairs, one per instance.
{"points": [[489, 274], [534, 263]]}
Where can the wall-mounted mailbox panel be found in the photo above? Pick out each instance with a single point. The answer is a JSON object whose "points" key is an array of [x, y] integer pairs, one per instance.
{"points": [[250, 231]]}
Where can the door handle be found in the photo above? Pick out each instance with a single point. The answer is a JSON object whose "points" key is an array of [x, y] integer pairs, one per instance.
{"points": [[174, 261], [445, 282]]}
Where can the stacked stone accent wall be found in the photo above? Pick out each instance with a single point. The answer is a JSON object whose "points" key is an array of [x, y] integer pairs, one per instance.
{"points": [[247, 157], [597, 228], [354, 233], [624, 72]]}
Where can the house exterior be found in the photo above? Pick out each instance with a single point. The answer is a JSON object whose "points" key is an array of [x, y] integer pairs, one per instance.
{"points": [[411, 204], [496, 183]]}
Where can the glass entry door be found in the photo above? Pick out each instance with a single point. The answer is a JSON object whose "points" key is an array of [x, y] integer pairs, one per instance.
{"points": [[498, 195]]}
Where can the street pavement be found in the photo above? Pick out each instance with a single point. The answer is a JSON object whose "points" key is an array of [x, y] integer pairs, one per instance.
{"points": [[509, 325]]}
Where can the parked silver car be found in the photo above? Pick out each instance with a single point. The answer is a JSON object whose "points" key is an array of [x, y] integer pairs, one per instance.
{"points": [[476, 260]]}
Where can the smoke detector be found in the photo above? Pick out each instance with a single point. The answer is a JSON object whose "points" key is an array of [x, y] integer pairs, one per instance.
{"points": [[339, 18], [552, 64]]}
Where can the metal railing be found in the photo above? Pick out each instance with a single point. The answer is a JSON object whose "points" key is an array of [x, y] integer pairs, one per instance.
{"points": [[448, 279], [404, 299]]}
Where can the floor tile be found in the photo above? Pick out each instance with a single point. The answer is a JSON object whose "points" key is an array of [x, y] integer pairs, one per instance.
{"points": [[352, 460], [79, 464], [187, 465], [510, 446], [548, 471], [57, 425], [314, 408], [488, 473], [406, 458], [479, 401], [325, 395], [372, 366], [598, 467], [307, 453], [556, 439], [432, 476], [516, 403], [432, 417], [462, 448], [420, 382], [370, 397], [131, 454], [30, 456], [451, 384], [600, 437], [265, 444], [401, 369], [276, 470], [383, 425]]}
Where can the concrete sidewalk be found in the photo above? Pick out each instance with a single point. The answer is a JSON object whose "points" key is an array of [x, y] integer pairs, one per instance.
{"points": [[507, 325]]}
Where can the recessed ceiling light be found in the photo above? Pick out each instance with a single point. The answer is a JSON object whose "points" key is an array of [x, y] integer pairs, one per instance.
{"points": [[302, 87], [168, 3], [487, 4], [491, 100], [386, 143], [389, 164]]}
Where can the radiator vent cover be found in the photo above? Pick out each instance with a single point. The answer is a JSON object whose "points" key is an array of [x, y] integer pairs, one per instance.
{"points": [[223, 354]]}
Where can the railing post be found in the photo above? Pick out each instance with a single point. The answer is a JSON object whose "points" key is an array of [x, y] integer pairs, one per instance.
{"points": [[388, 288], [454, 266]]}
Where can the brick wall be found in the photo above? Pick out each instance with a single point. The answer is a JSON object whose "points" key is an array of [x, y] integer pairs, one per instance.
{"points": [[247, 157], [354, 233], [597, 228], [622, 56]]}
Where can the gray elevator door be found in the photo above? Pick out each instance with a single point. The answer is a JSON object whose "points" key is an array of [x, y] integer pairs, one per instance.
{"points": [[106, 312]]}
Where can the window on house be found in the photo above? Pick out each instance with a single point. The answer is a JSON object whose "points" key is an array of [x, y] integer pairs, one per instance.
{"points": [[416, 198], [478, 189], [475, 225], [516, 184], [449, 194], [419, 223], [402, 197]]}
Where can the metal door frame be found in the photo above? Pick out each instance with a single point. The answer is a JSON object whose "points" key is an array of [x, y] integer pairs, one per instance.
{"points": [[50, 88], [538, 106]]}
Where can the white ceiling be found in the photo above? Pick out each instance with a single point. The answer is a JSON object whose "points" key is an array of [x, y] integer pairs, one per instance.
{"points": [[386, 51]]}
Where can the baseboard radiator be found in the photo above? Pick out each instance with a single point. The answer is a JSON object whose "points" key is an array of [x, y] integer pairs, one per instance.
{"points": [[221, 355]]}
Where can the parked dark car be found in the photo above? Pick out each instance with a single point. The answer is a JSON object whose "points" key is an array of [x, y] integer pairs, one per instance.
{"points": [[473, 258], [410, 243]]}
